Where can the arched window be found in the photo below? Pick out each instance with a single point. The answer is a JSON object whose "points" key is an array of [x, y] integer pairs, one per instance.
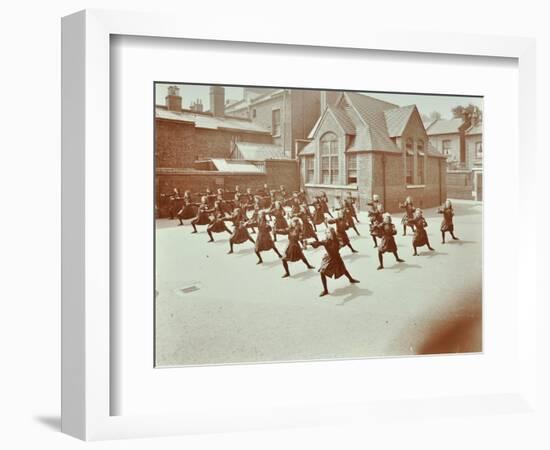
{"points": [[329, 159], [420, 161], [409, 156]]}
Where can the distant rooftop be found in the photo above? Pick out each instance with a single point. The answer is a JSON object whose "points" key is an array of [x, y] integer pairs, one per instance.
{"points": [[445, 126], [208, 121]]}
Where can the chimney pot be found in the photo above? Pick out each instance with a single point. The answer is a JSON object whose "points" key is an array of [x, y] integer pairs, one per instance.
{"points": [[173, 99]]}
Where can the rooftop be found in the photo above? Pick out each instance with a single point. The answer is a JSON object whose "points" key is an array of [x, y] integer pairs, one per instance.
{"points": [[208, 121], [445, 126], [259, 152]]}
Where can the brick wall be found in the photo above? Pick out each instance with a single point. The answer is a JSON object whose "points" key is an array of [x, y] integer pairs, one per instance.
{"points": [[460, 184], [276, 173], [429, 195], [179, 144], [285, 172]]}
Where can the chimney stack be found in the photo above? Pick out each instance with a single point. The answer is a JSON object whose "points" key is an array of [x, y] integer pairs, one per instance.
{"points": [[197, 105], [217, 100], [173, 99]]}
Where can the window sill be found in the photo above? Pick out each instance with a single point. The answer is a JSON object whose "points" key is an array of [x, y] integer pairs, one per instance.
{"points": [[349, 187], [416, 186]]}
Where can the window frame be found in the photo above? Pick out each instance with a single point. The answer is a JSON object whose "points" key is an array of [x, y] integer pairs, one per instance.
{"points": [[333, 154], [276, 128], [351, 157]]}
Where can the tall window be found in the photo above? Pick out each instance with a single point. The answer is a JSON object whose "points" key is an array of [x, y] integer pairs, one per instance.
{"points": [[276, 122], [310, 169], [352, 168], [409, 160], [420, 161], [479, 150], [329, 159], [446, 147]]}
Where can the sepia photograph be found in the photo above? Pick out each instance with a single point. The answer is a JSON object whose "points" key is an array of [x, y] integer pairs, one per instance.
{"points": [[300, 224]]}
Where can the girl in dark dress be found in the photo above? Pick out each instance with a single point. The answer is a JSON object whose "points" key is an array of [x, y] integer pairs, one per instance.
{"points": [[240, 232], [349, 202], [318, 214], [264, 241], [323, 199], [348, 212], [409, 215], [203, 214], [387, 243], [341, 227], [420, 236], [374, 205], [256, 207], [332, 265], [173, 200], [217, 225], [293, 250], [447, 223], [308, 232], [210, 197], [281, 225], [376, 219], [295, 206], [188, 209]]}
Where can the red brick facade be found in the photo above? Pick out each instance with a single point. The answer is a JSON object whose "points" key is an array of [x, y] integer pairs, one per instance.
{"points": [[179, 144]]}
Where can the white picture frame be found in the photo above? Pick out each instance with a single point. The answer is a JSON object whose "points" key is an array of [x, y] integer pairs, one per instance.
{"points": [[86, 284]]}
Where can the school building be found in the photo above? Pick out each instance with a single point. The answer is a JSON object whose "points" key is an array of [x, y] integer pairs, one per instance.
{"points": [[368, 146]]}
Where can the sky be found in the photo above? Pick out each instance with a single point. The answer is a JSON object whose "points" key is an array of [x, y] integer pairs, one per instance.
{"points": [[425, 103]]}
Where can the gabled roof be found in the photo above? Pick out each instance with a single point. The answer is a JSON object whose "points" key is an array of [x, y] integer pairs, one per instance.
{"points": [[343, 119], [251, 151], [372, 114], [397, 119], [203, 120], [445, 126]]}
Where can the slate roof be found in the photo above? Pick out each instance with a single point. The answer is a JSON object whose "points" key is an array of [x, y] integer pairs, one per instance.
{"points": [[228, 165], [372, 113], [343, 119], [397, 119], [259, 152], [445, 126], [210, 122]]}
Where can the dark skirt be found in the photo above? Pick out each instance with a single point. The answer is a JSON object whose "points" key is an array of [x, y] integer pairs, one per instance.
{"points": [[342, 238], [447, 225], [187, 212], [375, 230], [217, 226], [332, 266], [280, 223], [308, 231], [240, 235], [201, 219], [318, 217], [387, 244], [420, 237], [264, 241], [293, 252]]}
